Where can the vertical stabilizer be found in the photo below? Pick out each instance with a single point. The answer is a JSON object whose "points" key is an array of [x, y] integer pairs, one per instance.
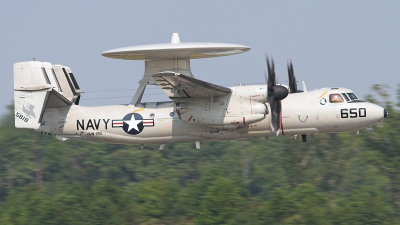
{"points": [[31, 83], [68, 83], [39, 86]]}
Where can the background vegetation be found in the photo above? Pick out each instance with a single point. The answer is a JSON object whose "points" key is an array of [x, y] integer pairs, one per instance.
{"points": [[332, 179]]}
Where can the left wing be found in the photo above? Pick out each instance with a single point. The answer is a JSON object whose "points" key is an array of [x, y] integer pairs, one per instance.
{"points": [[178, 85]]}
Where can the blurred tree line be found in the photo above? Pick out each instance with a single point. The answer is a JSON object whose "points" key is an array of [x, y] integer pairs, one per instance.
{"points": [[331, 179]]}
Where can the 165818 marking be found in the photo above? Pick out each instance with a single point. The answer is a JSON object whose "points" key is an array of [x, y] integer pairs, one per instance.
{"points": [[22, 117]]}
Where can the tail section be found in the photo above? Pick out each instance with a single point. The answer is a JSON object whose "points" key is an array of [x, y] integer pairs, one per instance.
{"points": [[68, 84], [39, 86]]}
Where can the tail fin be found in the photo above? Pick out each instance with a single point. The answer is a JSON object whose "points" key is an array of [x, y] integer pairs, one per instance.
{"points": [[68, 84], [39, 86]]}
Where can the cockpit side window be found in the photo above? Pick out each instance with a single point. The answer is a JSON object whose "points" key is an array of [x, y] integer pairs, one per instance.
{"points": [[345, 97], [352, 96], [335, 98]]}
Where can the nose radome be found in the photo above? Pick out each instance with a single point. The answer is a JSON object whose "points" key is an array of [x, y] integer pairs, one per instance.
{"points": [[375, 113]]}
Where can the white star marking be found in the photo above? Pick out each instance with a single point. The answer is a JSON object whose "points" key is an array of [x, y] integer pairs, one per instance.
{"points": [[133, 123]]}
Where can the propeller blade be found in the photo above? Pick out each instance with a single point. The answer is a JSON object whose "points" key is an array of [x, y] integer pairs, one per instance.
{"points": [[276, 114], [292, 78], [271, 72], [275, 123], [275, 94], [266, 77]]}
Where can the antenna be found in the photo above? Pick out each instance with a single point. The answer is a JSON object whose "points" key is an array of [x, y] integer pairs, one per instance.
{"points": [[172, 57], [175, 39]]}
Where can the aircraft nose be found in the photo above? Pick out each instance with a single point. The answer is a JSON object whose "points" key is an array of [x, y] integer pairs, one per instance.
{"points": [[385, 113]]}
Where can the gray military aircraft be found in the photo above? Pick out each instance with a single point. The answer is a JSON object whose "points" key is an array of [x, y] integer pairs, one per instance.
{"points": [[47, 99]]}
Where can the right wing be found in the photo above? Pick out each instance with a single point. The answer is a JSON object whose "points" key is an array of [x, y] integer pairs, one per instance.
{"points": [[177, 85]]}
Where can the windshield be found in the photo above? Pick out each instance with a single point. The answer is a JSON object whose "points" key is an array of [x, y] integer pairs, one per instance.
{"points": [[345, 97], [352, 96]]}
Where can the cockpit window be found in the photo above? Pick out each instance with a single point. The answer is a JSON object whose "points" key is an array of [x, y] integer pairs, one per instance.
{"points": [[352, 96], [335, 98], [345, 97]]}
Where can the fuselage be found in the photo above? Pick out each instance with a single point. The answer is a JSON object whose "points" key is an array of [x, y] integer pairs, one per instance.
{"points": [[229, 117], [47, 96]]}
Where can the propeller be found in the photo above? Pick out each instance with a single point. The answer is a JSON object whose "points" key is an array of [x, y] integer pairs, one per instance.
{"points": [[275, 94], [292, 78]]}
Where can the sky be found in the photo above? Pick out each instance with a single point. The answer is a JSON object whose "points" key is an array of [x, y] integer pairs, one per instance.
{"points": [[352, 44]]}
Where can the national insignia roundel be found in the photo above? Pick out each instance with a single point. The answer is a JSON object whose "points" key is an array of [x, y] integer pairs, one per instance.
{"points": [[133, 123]]}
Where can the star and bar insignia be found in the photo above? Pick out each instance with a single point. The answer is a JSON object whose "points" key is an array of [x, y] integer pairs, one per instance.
{"points": [[133, 123]]}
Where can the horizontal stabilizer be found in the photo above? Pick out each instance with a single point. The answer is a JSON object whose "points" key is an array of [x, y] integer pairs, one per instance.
{"points": [[56, 100]]}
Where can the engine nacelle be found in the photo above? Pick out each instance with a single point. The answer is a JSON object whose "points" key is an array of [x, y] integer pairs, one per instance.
{"points": [[259, 108], [235, 121], [183, 107], [256, 93], [241, 115]]}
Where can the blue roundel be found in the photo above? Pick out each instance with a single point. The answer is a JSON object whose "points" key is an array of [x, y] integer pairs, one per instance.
{"points": [[133, 123]]}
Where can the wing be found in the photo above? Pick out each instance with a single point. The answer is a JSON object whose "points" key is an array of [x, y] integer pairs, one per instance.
{"points": [[177, 85]]}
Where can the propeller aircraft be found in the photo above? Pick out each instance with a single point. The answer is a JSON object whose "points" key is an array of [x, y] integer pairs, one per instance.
{"points": [[46, 99]]}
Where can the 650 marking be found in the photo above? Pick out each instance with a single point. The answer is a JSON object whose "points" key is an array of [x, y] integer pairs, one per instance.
{"points": [[353, 113], [22, 117]]}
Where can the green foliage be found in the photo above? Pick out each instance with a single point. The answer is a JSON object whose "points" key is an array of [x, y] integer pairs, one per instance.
{"points": [[332, 179], [220, 202]]}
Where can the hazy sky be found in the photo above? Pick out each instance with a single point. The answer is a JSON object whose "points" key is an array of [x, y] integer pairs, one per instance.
{"points": [[352, 44]]}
